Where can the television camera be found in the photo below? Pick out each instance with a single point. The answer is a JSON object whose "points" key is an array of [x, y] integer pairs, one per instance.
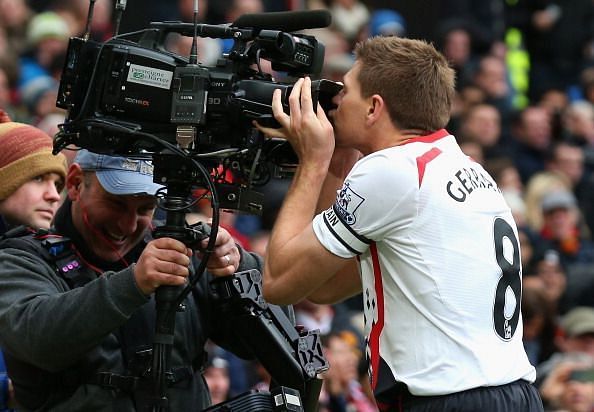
{"points": [[131, 96]]}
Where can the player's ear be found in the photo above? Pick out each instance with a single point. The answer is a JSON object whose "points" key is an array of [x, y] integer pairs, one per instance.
{"points": [[375, 108]]}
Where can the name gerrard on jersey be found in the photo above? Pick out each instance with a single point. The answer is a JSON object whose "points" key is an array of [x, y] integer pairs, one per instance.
{"points": [[466, 180]]}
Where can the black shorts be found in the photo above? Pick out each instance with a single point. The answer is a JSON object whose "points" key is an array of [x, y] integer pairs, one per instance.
{"points": [[519, 396]]}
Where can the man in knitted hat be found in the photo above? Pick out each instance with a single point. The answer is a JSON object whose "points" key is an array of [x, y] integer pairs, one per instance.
{"points": [[31, 181], [31, 177]]}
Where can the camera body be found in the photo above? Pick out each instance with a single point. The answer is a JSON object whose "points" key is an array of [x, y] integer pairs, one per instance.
{"points": [[125, 97]]}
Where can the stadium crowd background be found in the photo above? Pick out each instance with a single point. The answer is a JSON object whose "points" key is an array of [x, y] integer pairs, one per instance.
{"points": [[524, 109]]}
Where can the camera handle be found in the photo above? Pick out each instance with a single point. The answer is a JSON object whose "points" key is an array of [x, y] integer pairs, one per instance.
{"points": [[178, 174]]}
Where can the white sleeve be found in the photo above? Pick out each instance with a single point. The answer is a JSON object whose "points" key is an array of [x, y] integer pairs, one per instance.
{"points": [[377, 198]]}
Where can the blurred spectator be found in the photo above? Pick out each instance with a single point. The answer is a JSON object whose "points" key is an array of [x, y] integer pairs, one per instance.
{"points": [[455, 42], [539, 185], [341, 390], [516, 204], [574, 338], [14, 15], [39, 96], [557, 35], [569, 387], [538, 319], [529, 242], [386, 22], [561, 229], [566, 159], [505, 174], [532, 135], [546, 267], [47, 40], [587, 84], [216, 375], [575, 342], [578, 331], [491, 77], [482, 124], [75, 13], [555, 101], [349, 17], [577, 121], [325, 318]]}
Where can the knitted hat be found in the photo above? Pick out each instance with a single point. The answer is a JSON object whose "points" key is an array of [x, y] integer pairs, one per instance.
{"points": [[25, 152]]}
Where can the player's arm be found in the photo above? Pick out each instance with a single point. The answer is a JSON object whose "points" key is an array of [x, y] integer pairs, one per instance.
{"points": [[344, 284], [296, 263]]}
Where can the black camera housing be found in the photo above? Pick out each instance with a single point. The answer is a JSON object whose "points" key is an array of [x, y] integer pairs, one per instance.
{"points": [[124, 96]]}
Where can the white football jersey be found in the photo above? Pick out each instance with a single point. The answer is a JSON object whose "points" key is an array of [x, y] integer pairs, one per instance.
{"points": [[440, 266]]}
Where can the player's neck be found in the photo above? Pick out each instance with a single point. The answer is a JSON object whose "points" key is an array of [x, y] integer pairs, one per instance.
{"points": [[407, 134], [412, 133]]}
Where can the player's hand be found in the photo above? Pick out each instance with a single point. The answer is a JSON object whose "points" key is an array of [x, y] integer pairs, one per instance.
{"points": [[224, 260], [164, 261], [310, 133]]}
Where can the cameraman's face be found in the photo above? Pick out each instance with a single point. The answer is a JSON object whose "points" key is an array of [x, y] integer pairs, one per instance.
{"points": [[111, 225]]}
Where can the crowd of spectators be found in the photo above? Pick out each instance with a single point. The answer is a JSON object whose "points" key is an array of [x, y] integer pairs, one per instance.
{"points": [[524, 110]]}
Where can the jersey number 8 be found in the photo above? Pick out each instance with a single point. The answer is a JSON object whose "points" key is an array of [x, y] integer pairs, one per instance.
{"points": [[509, 289]]}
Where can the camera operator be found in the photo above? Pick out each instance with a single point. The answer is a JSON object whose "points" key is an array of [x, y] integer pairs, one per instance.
{"points": [[434, 240], [76, 307]]}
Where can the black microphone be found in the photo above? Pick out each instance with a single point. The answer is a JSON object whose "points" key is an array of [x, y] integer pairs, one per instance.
{"points": [[285, 20]]}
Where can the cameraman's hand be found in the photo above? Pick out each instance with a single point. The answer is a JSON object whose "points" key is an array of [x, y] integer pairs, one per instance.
{"points": [[224, 259], [164, 261], [310, 134]]}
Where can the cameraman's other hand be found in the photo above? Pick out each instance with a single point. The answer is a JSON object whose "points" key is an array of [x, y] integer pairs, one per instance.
{"points": [[310, 134], [164, 261], [224, 259]]}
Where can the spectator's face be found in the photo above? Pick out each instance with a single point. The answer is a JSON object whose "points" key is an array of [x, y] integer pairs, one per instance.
{"points": [[578, 397], [492, 77], [218, 383], [35, 202], [582, 343], [553, 279], [343, 360], [13, 13], [560, 222], [536, 128], [111, 225], [457, 47], [569, 160], [483, 125], [49, 49]]}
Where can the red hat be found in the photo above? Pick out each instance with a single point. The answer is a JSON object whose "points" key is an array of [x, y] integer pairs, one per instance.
{"points": [[25, 152]]}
